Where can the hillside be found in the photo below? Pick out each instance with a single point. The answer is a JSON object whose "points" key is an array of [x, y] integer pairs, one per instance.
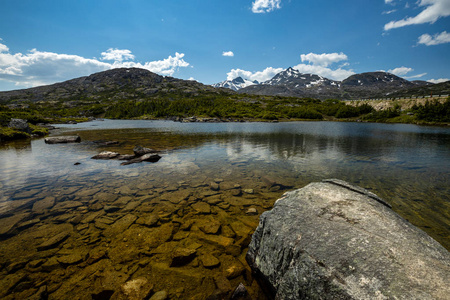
{"points": [[113, 84]]}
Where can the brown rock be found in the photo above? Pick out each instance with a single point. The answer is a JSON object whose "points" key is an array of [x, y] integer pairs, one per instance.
{"points": [[182, 256], [209, 261], [201, 207]]}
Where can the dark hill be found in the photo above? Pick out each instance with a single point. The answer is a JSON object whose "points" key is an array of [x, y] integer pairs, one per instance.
{"points": [[113, 84]]}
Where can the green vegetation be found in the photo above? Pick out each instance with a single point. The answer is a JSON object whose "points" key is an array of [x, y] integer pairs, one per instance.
{"points": [[433, 111], [212, 105]]}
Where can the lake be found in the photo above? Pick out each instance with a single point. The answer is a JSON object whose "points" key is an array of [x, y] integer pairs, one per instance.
{"points": [[78, 227]]}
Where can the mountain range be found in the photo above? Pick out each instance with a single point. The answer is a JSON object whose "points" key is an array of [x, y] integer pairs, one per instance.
{"points": [[291, 82], [138, 84]]}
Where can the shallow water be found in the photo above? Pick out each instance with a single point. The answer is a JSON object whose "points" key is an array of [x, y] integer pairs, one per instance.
{"points": [[182, 223]]}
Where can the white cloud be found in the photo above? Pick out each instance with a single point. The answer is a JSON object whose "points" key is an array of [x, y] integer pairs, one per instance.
{"points": [[263, 6], [416, 76], [388, 12], [438, 80], [228, 53], [260, 76], [3, 48], [36, 68], [438, 38], [389, 1], [434, 9], [336, 74], [400, 71], [117, 54], [324, 59]]}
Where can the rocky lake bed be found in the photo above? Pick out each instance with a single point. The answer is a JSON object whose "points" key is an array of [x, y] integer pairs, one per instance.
{"points": [[73, 227]]}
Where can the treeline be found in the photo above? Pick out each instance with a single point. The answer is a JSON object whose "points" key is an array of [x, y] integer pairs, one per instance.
{"points": [[265, 108], [433, 111]]}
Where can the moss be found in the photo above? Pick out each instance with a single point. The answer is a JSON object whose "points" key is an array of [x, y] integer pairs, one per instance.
{"points": [[7, 134], [38, 130]]}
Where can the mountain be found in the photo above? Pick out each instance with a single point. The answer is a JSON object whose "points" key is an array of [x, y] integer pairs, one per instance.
{"points": [[296, 79], [365, 85], [235, 84], [115, 84]]}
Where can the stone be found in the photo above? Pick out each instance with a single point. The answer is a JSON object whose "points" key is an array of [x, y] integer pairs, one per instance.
{"points": [[8, 224], [161, 295], [209, 226], [249, 191], [62, 139], [136, 289], [239, 292], [106, 155], [119, 226], [201, 207], [149, 157], [149, 221], [70, 259], [209, 261], [110, 208], [53, 241], [214, 186], [140, 151], [125, 156], [332, 240], [182, 256], [19, 124], [251, 211], [217, 240]]}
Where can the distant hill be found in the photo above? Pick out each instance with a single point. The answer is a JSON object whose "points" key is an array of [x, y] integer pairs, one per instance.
{"points": [[115, 84]]}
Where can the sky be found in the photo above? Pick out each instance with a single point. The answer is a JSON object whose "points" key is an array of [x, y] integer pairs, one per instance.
{"points": [[43, 42]]}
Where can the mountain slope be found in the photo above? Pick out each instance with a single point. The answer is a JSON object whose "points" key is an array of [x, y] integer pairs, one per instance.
{"points": [[123, 83]]}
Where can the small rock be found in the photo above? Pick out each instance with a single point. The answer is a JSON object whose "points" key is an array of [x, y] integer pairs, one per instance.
{"points": [[249, 191], [19, 124], [239, 292], [161, 295], [106, 155], [202, 207], [139, 150], [77, 163], [214, 186], [135, 289], [252, 211], [209, 261], [182, 256], [53, 241]]}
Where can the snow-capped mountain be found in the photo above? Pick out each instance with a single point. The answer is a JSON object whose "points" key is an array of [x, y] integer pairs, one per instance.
{"points": [[296, 79], [291, 82], [235, 84]]}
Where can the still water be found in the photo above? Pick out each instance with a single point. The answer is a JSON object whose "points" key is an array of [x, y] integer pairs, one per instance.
{"points": [[71, 225]]}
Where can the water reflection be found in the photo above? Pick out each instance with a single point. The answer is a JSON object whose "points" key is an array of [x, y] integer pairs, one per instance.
{"points": [[197, 196]]}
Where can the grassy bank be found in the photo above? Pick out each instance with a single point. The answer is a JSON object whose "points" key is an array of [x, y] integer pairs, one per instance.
{"points": [[222, 107]]}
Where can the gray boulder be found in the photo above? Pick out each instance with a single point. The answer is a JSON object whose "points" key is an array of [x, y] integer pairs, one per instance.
{"points": [[62, 139], [20, 124], [332, 240]]}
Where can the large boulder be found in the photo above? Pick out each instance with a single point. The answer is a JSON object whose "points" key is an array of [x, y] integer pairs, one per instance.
{"points": [[332, 240], [20, 124], [62, 139]]}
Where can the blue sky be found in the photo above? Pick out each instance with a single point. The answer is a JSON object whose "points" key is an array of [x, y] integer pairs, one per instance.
{"points": [[43, 42]]}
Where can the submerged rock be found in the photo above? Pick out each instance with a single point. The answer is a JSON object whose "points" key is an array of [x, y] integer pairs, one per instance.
{"points": [[331, 240], [62, 139]]}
